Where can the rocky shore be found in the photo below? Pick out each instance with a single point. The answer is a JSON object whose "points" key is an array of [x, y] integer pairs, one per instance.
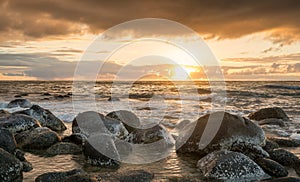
{"points": [[242, 149]]}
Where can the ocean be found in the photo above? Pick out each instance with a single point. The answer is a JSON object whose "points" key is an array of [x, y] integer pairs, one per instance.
{"points": [[155, 102]]}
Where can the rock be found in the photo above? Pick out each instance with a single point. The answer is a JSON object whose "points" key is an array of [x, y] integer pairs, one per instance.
{"points": [[4, 113], [113, 99], [46, 94], [232, 130], [297, 168], [45, 117], [271, 167], [252, 151], [80, 178], [285, 142], [7, 141], [128, 176], [19, 103], [270, 145], [129, 119], [284, 157], [272, 121], [38, 138], [27, 166], [64, 148], [10, 167], [295, 136], [91, 122], [75, 138], [18, 123], [272, 112], [284, 179], [58, 176], [100, 150], [227, 165]]}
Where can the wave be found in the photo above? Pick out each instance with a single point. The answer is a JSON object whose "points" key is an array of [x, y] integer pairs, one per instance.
{"points": [[289, 87]]}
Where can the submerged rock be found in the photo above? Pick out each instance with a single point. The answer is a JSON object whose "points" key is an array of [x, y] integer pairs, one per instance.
{"points": [[227, 165], [58, 176], [7, 141], [38, 138], [64, 148], [233, 130], [19, 103], [284, 157], [18, 123], [271, 167], [272, 112], [10, 167], [45, 117], [100, 150]]}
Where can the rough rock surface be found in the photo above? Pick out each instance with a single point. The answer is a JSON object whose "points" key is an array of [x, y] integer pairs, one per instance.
{"points": [[285, 142], [19, 122], [64, 148], [232, 130], [7, 141], [270, 145], [45, 117], [10, 167], [271, 167], [58, 176], [272, 112], [284, 157], [272, 121], [129, 119], [19, 103], [38, 138], [227, 165], [75, 138]]}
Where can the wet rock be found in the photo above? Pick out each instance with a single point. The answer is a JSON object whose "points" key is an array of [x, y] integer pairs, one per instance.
{"points": [[91, 122], [100, 150], [270, 145], [10, 167], [19, 103], [46, 94], [38, 138], [4, 113], [129, 176], [272, 121], [227, 165], [297, 168], [129, 119], [285, 142], [58, 176], [80, 178], [75, 138], [64, 148], [284, 179], [45, 117], [271, 167], [27, 166], [229, 130], [284, 157], [18, 123], [252, 151], [272, 112], [7, 141], [113, 99]]}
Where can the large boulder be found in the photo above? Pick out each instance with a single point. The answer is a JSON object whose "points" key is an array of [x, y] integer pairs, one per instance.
{"points": [[18, 123], [64, 148], [100, 150], [272, 112], [7, 141], [228, 165], [90, 122], [45, 117], [38, 138], [226, 130], [58, 176], [19, 103], [10, 167]]}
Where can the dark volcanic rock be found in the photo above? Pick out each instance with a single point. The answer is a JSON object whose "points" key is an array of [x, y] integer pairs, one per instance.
{"points": [[129, 119], [45, 117], [271, 167], [270, 145], [284, 157], [19, 122], [90, 122], [10, 167], [285, 179], [58, 176], [229, 130], [38, 138], [273, 112], [227, 165], [100, 150], [7, 141], [19, 103], [75, 138], [285, 142], [272, 121], [129, 176], [64, 148]]}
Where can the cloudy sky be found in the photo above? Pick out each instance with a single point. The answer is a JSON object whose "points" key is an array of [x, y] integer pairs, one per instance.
{"points": [[253, 40]]}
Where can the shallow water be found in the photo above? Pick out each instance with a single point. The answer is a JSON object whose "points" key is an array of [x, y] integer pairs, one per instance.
{"points": [[163, 102]]}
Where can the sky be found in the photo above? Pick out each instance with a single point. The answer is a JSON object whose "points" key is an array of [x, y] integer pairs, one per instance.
{"points": [[253, 40]]}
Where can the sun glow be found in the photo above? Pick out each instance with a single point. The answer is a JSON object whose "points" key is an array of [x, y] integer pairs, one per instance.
{"points": [[181, 72]]}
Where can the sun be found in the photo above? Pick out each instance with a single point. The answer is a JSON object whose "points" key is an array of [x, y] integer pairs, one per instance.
{"points": [[181, 72]]}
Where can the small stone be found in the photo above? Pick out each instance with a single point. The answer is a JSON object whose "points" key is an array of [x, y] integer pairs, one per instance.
{"points": [[64, 148], [272, 112]]}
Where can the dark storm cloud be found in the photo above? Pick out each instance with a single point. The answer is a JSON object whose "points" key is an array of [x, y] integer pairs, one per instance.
{"points": [[221, 19]]}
